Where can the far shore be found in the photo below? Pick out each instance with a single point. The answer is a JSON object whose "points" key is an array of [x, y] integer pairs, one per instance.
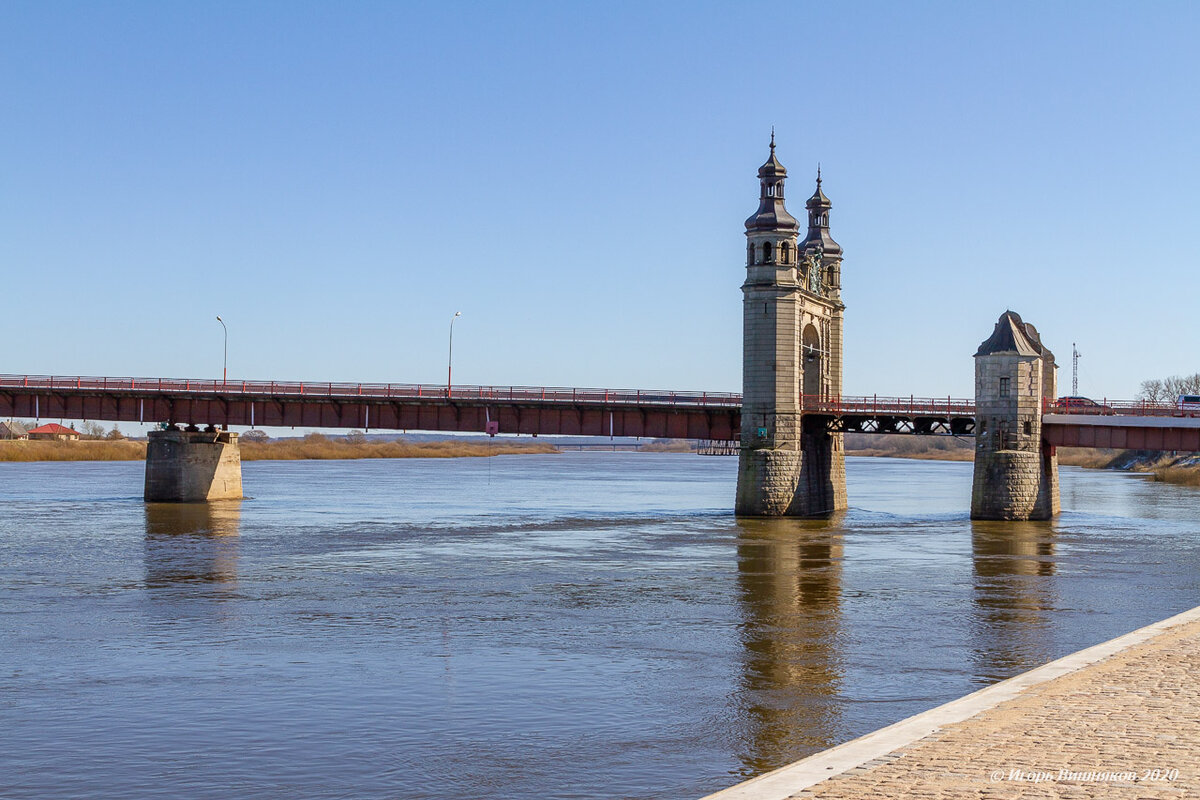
{"points": [[313, 447], [1183, 470]]}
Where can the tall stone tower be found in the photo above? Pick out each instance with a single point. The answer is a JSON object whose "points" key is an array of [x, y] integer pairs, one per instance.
{"points": [[789, 462], [1016, 473]]}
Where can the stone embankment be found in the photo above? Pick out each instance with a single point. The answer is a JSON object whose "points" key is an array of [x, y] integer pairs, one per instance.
{"points": [[1118, 720]]}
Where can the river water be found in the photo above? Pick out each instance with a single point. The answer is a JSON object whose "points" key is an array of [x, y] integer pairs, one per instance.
{"points": [[583, 625]]}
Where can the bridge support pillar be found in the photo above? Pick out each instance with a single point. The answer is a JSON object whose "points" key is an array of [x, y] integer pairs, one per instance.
{"points": [[193, 466], [803, 474], [1016, 472]]}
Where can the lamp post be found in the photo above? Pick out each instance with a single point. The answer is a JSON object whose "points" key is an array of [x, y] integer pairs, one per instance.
{"points": [[225, 359], [450, 358]]}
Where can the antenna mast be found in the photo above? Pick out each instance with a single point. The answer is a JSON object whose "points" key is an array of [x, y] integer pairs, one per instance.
{"points": [[1074, 371]]}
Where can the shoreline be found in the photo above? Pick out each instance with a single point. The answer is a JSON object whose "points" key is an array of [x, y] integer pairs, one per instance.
{"points": [[28, 452], [1015, 721]]}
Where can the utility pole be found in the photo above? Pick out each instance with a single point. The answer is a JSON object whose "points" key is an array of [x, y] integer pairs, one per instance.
{"points": [[1074, 371]]}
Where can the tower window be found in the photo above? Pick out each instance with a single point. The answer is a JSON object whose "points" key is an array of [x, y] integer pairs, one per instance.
{"points": [[1004, 387], [750, 254], [768, 255], [785, 252], [1028, 428], [770, 190]]}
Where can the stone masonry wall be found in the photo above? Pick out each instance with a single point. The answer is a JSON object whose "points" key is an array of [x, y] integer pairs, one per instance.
{"points": [[189, 466], [784, 470], [1016, 475]]}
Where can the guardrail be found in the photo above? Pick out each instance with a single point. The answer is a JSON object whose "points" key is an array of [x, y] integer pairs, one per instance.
{"points": [[888, 406], [336, 390], [1124, 408], [873, 405]]}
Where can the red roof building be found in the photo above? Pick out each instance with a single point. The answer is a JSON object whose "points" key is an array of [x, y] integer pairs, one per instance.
{"points": [[54, 431]]}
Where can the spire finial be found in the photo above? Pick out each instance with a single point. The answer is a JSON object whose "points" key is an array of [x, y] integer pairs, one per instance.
{"points": [[772, 138], [818, 174]]}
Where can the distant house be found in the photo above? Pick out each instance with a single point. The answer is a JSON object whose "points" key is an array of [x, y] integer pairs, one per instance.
{"points": [[55, 432], [13, 430]]}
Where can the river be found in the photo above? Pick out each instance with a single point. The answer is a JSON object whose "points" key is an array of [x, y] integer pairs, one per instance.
{"points": [[582, 625]]}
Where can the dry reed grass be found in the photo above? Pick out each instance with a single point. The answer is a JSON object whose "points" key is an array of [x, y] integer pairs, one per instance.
{"points": [[72, 451], [311, 447], [323, 448], [1185, 476], [1087, 457], [941, 448]]}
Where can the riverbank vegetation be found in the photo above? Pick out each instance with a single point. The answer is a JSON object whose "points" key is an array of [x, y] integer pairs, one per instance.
{"points": [[322, 447], [114, 450], [941, 448], [313, 446]]}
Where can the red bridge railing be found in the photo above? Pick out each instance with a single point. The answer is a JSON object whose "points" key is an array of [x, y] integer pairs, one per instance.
{"points": [[336, 390], [873, 405], [889, 406]]}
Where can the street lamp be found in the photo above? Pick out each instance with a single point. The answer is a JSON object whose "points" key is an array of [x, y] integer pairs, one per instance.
{"points": [[225, 360], [450, 358]]}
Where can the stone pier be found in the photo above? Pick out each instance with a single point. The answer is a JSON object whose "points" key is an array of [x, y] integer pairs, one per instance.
{"points": [[193, 466], [1016, 472]]}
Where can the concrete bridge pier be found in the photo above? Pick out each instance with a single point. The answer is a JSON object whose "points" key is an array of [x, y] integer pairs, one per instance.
{"points": [[1016, 472], [187, 466]]}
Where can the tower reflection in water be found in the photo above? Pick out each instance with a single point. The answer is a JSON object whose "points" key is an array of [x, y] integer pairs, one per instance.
{"points": [[1014, 567], [789, 581], [192, 543]]}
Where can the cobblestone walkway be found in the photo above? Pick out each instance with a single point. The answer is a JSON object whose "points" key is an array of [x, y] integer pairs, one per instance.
{"points": [[1132, 721]]}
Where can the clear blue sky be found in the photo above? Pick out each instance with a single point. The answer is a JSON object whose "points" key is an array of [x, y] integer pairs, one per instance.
{"points": [[337, 179]]}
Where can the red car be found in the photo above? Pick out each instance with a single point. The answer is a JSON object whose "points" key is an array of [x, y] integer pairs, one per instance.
{"points": [[1080, 405]]}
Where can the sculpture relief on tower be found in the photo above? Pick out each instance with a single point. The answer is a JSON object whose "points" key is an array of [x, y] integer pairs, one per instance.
{"points": [[790, 464], [1016, 472]]}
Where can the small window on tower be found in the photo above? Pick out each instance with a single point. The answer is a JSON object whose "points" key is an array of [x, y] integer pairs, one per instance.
{"points": [[1028, 428], [768, 256], [770, 190], [785, 252], [1004, 387]]}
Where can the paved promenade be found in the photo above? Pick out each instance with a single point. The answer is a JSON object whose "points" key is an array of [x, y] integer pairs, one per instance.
{"points": [[1119, 720]]}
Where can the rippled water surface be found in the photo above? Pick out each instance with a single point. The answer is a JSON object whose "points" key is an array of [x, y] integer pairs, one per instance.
{"points": [[583, 625]]}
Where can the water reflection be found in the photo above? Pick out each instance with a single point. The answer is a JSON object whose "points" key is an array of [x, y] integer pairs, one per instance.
{"points": [[192, 542], [789, 581], [1014, 566]]}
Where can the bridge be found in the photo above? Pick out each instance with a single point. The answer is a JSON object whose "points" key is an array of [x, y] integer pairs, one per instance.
{"points": [[789, 422], [534, 411]]}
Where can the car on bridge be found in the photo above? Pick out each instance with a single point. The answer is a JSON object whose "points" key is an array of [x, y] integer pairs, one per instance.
{"points": [[1189, 404], [1080, 405]]}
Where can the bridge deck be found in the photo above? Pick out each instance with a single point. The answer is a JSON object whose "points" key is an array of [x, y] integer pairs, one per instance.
{"points": [[547, 410]]}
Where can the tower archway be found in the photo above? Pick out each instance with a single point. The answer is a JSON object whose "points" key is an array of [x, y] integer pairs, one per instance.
{"points": [[813, 360]]}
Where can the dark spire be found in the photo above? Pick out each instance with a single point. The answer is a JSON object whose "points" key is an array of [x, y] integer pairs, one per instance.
{"points": [[818, 222], [771, 214]]}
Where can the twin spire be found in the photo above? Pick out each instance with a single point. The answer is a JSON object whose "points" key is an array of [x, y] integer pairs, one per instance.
{"points": [[772, 215]]}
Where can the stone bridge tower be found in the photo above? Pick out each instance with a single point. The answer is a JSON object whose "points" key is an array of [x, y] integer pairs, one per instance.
{"points": [[1016, 472], [789, 463]]}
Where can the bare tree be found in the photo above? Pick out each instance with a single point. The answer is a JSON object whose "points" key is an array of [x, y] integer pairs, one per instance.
{"points": [[92, 430], [255, 436], [1168, 390]]}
